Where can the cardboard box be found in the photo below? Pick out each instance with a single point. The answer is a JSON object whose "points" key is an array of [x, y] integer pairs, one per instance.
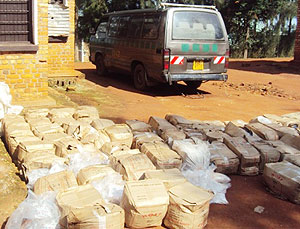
{"points": [[17, 131], [100, 215], [284, 149], [145, 137], [283, 179], [100, 124], [248, 155], [161, 155], [66, 146], [121, 154], [110, 148], [214, 135], [63, 122], [178, 120], [194, 133], [73, 201], [41, 159], [291, 140], [36, 113], [13, 142], [132, 167], [101, 139], [263, 131], [170, 177], [226, 161], [92, 173], [120, 133], [268, 154], [249, 171], [285, 121], [41, 131], [83, 112], [27, 147], [294, 159], [244, 150], [234, 130], [145, 203], [188, 208], [60, 181], [282, 130], [169, 135], [55, 137], [160, 125], [138, 126], [42, 121], [64, 112], [78, 129]]}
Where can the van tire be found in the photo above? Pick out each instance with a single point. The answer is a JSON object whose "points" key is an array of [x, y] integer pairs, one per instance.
{"points": [[140, 77], [100, 66], [193, 84]]}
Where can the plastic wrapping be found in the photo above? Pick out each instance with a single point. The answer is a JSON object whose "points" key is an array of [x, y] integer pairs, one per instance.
{"points": [[197, 169], [36, 212], [5, 104], [34, 175], [110, 188], [86, 158], [195, 156], [209, 180]]}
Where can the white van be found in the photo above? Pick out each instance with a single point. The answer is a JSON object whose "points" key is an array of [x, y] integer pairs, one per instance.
{"points": [[172, 43]]}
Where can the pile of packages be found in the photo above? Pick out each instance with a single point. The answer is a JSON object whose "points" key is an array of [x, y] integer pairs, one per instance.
{"points": [[84, 171]]}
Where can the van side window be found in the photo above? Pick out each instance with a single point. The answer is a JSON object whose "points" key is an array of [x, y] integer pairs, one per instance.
{"points": [[123, 26], [135, 27], [113, 26], [150, 28], [101, 30]]}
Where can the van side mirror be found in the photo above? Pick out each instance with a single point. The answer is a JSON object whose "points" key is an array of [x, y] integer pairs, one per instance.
{"points": [[92, 30]]}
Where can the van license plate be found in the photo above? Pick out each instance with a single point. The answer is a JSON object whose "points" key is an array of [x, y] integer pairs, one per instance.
{"points": [[198, 65]]}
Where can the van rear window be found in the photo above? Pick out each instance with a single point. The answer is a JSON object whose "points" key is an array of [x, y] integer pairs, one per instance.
{"points": [[196, 25]]}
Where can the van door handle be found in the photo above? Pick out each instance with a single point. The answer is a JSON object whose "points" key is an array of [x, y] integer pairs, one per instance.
{"points": [[158, 51]]}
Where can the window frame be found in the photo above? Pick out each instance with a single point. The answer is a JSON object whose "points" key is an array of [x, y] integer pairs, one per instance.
{"points": [[25, 46]]}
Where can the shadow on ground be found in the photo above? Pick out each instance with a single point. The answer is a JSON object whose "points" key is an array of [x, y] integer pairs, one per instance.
{"points": [[248, 193], [125, 82], [266, 66]]}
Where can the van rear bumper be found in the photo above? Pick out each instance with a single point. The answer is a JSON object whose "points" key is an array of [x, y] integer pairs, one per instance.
{"points": [[196, 77]]}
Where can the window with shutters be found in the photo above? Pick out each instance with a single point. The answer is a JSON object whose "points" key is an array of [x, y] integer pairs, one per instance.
{"points": [[16, 30]]}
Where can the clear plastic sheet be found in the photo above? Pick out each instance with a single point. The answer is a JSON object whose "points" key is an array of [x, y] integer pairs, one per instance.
{"points": [[197, 169], [110, 188], [5, 104], [36, 212]]}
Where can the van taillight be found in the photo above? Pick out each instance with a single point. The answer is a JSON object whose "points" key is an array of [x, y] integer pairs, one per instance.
{"points": [[166, 59], [227, 59]]}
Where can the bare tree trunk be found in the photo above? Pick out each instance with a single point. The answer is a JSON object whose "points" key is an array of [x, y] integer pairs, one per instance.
{"points": [[246, 42]]}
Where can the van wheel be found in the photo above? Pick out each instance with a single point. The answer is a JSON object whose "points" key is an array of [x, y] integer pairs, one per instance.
{"points": [[100, 67], [193, 84], [140, 77]]}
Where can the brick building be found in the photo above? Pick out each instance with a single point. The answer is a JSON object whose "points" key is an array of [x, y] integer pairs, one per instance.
{"points": [[297, 41], [36, 43]]}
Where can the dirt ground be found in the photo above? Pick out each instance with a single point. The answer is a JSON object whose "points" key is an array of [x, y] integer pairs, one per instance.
{"points": [[255, 87]]}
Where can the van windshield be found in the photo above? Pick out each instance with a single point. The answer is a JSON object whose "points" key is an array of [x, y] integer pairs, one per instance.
{"points": [[196, 25]]}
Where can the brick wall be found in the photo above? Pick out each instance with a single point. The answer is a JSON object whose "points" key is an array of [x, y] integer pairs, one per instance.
{"points": [[297, 42], [61, 55], [26, 73]]}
